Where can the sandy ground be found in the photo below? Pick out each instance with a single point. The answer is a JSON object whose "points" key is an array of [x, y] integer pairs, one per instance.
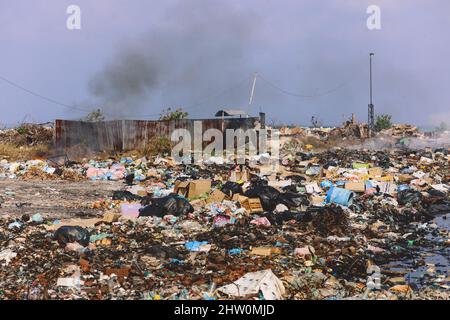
{"points": [[54, 198]]}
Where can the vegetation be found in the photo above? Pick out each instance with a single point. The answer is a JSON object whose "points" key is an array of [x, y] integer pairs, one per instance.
{"points": [[22, 130], [12, 152], [95, 116], [382, 122], [177, 114], [156, 146]]}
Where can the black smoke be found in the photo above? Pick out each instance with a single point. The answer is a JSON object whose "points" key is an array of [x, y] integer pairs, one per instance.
{"points": [[198, 51]]}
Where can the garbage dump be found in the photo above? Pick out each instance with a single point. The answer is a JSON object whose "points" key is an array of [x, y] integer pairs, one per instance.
{"points": [[27, 134], [328, 224]]}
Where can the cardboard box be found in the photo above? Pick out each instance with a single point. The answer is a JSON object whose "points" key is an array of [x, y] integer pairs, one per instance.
{"points": [[182, 188], [252, 205], [191, 189], [359, 186], [216, 196]]}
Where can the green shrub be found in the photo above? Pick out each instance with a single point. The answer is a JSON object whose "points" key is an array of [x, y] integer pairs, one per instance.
{"points": [[157, 146], [383, 122], [168, 114]]}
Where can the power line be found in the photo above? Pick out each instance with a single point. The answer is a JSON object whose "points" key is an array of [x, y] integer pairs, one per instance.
{"points": [[300, 95], [203, 101], [240, 84], [191, 107], [51, 100], [42, 96]]}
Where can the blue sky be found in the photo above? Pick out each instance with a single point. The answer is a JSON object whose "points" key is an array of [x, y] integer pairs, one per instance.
{"points": [[133, 58]]}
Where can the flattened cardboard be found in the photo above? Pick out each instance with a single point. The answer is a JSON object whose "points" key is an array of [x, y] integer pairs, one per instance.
{"points": [[261, 251], [386, 179], [359, 186], [216, 196]]}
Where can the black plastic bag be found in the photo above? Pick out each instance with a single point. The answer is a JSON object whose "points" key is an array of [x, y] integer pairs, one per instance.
{"points": [[282, 217], [437, 194], [291, 188], [129, 178], [269, 196], [296, 178], [171, 204], [125, 196], [331, 163], [68, 234], [409, 196], [293, 200], [231, 188]]}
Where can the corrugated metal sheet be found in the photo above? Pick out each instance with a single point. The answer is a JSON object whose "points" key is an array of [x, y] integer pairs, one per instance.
{"points": [[122, 135]]}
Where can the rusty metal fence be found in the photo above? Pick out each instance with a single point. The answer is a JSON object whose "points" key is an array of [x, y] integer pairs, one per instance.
{"points": [[122, 135]]}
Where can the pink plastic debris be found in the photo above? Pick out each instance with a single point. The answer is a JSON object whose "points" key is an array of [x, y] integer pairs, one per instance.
{"points": [[262, 221], [130, 209]]}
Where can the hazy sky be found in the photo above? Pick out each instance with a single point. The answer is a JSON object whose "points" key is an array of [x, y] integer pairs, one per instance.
{"points": [[133, 58]]}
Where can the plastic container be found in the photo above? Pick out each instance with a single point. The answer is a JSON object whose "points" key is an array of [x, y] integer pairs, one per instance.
{"points": [[340, 196]]}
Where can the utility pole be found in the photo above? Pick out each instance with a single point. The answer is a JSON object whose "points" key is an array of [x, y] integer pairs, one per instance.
{"points": [[371, 116], [250, 101]]}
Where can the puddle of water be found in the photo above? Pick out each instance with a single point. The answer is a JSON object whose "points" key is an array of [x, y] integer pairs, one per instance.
{"points": [[436, 257]]}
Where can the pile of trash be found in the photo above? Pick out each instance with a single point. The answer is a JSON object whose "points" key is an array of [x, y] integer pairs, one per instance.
{"points": [[337, 224], [401, 131], [27, 135], [42, 170], [73, 170], [350, 130]]}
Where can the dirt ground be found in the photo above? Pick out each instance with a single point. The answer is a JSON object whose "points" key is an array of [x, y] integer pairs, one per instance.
{"points": [[54, 198]]}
